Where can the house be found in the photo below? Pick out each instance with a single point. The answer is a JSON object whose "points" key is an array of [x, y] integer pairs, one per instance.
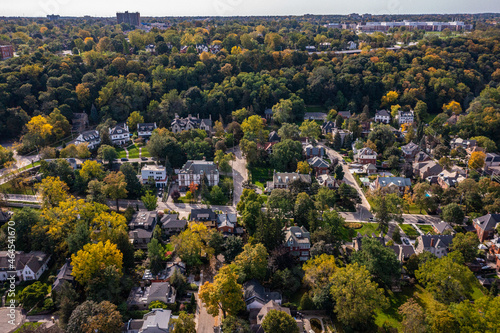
{"points": [[6, 52], [345, 114], [297, 241], [320, 116], [205, 216], [311, 48], [172, 267], [5, 216], [492, 160], [327, 181], [171, 225], [447, 179], [63, 275], [327, 127], [189, 123], [461, 143], [382, 116], [28, 266], [283, 179], [436, 244], [312, 151], [427, 169], [141, 228], [119, 134], [370, 169], [403, 252], [145, 130], [485, 226], [319, 165], [91, 138], [400, 183], [410, 150], [156, 321], [441, 227], [453, 120], [151, 48], [351, 45], [196, 171], [227, 223], [268, 114], [271, 305], [256, 296], [156, 174], [266, 147], [256, 318], [343, 135], [366, 156], [79, 122], [421, 157], [406, 117], [274, 137], [140, 297]]}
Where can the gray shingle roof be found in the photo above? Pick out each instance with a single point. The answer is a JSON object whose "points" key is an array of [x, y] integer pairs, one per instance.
{"points": [[487, 222]]}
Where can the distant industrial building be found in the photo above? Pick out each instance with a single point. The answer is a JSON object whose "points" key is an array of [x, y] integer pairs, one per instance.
{"points": [[6, 52], [129, 18], [53, 17]]}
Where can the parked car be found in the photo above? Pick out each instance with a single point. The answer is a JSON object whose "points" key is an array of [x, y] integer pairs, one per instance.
{"points": [[124, 159], [372, 219], [144, 158], [420, 221]]}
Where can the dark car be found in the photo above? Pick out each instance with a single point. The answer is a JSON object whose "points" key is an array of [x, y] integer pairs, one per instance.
{"points": [[144, 158], [420, 221], [124, 159]]}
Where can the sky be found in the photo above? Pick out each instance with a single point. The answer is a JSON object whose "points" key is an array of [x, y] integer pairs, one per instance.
{"points": [[108, 8]]}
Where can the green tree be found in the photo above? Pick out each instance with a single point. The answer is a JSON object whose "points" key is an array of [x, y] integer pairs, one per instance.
{"points": [[91, 317], [33, 294], [150, 201], [280, 202], [249, 207], [286, 154], [134, 119], [235, 325], [251, 263], [355, 295], [279, 322], [413, 317], [155, 255], [184, 324], [134, 186], [379, 260], [387, 208], [453, 213], [466, 244], [107, 153], [447, 278], [304, 205], [310, 129], [233, 245]]}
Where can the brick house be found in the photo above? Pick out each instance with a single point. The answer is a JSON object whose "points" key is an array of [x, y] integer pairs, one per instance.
{"points": [[366, 156], [319, 165], [485, 226], [297, 240]]}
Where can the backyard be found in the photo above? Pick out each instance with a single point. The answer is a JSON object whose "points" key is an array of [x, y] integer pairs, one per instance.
{"points": [[260, 176]]}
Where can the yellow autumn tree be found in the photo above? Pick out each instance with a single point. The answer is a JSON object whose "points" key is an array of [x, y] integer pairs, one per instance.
{"points": [[389, 98], [91, 170], [134, 119], [476, 160], [38, 129], [107, 226], [304, 167], [52, 190], [94, 258], [452, 107], [224, 294], [317, 270]]}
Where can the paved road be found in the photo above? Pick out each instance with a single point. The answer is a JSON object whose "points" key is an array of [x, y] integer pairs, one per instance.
{"points": [[5, 316], [349, 180], [408, 218]]}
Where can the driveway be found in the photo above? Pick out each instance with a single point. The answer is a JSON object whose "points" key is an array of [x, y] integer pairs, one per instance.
{"points": [[240, 174]]}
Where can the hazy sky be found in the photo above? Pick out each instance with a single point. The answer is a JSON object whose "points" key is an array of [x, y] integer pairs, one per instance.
{"points": [[241, 7]]}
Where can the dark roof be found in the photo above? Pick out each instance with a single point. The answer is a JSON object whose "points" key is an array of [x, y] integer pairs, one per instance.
{"points": [[440, 241], [34, 260], [4, 216], [63, 275], [253, 289], [146, 127], [328, 126], [90, 135], [492, 157], [203, 214], [268, 111], [317, 162], [345, 114], [274, 137], [382, 113], [421, 157], [196, 167], [119, 129], [143, 220], [487, 222]]}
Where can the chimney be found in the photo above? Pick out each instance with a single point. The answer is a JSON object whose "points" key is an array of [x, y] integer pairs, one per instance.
{"points": [[204, 158], [198, 116], [432, 242], [136, 235]]}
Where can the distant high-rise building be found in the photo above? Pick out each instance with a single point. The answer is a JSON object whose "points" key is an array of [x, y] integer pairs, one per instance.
{"points": [[129, 18], [53, 17], [6, 52]]}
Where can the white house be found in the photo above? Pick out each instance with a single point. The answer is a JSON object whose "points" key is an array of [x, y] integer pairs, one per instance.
{"points": [[436, 244], [383, 116], [144, 130], [91, 138], [406, 117], [194, 171], [155, 172], [28, 266], [119, 134]]}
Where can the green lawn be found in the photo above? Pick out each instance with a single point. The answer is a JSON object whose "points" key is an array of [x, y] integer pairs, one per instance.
{"points": [[145, 152], [260, 176], [10, 189], [121, 152], [409, 231], [366, 229], [390, 315], [427, 228], [133, 151], [415, 210]]}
